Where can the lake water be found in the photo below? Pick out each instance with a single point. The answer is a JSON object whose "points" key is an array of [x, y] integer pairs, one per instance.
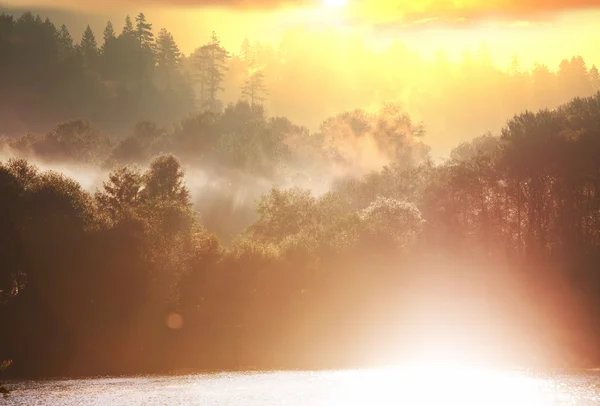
{"points": [[393, 386]]}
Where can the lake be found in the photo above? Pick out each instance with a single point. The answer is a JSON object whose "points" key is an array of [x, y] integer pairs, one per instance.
{"points": [[391, 386]]}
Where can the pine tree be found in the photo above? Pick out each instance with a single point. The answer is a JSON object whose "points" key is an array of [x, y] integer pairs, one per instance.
{"points": [[109, 34], [143, 32], [211, 62], [128, 28], [595, 78], [254, 88], [89, 47], [65, 42], [167, 51], [64, 38], [515, 66], [247, 53], [200, 63]]}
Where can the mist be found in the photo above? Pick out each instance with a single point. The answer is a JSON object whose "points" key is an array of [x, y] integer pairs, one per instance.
{"points": [[315, 204]]}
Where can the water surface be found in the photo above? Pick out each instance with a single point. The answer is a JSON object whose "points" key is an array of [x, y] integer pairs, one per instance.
{"points": [[394, 386]]}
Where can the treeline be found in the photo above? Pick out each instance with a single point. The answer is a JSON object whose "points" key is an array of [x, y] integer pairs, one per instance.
{"points": [[128, 75], [500, 243], [132, 72], [240, 151]]}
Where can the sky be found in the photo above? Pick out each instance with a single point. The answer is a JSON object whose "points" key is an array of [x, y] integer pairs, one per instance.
{"points": [[535, 30]]}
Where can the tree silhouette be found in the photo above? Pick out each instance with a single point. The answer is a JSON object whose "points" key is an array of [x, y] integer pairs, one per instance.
{"points": [[143, 32], [254, 88], [109, 34], [594, 78], [167, 51], [211, 66], [89, 47], [247, 53], [128, 27], [64, 37]]}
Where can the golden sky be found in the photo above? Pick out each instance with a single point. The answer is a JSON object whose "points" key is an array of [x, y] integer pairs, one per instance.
{"points": [[544, 30]]}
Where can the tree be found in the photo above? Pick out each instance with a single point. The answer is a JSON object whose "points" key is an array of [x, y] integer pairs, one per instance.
{"points": [[64, 38], [89, 47], [594, 78], [574, 78], [167, 52], [109, 34], [143, 32], [164, 182], [201, 57], [515, 66], [544, 85], [211, 63], [389, 218], [285, 213], [247, 54], [120, 194], [128, 28], [254, 88]]}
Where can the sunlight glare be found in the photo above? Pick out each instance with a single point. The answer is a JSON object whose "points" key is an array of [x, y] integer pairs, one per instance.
{"points": [[431, 384], [335, 3]]}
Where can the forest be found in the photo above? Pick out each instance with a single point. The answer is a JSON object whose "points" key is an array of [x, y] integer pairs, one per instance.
{"points": [[240, 240]]}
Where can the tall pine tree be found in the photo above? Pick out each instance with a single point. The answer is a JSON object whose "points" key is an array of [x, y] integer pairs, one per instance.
{"points": [[89, 47], [64, 38], [65, 43], [168, 58], [109, 34], [167, 51], [128, 28], [211, 63], [254, 88], [143, 32], [594, 78]]}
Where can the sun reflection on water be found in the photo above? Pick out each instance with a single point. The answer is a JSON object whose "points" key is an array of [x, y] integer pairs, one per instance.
{"points": [[416, 385], [445, 384]]}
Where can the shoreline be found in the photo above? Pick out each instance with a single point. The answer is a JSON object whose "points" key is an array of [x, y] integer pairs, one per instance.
{"points": [[256, 370]]}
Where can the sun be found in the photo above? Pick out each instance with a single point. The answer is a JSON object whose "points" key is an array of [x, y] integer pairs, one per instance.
{"points": [[335, 3]]}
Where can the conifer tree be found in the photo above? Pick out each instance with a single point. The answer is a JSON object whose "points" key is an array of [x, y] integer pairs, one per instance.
{"points": [[211, 62], [109, 34], [128, 28], [247, 53], [143, 32], [64, 37], [89, 47], [594, 78], [254, 88], [167, 51]]}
